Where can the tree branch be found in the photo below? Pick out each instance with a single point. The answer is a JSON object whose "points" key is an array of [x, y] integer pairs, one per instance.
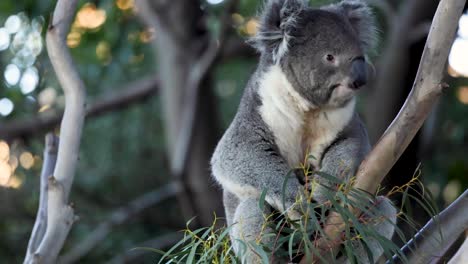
{"points": [[118, 217], [40, 225], [133, 92], [433, 240], [60, 215], [426, 90]]}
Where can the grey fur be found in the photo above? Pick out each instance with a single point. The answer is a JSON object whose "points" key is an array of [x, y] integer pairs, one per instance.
{"points": [[361, 18], [249, 158]]}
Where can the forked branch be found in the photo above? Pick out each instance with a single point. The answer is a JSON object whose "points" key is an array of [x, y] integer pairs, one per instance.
{"points": [[60, 214], [40, 225]]}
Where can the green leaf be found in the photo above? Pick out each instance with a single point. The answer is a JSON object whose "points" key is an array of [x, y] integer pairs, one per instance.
{"points": [[259, 250], [191, 256], [261, 201], [329, 177], [290, 245]]}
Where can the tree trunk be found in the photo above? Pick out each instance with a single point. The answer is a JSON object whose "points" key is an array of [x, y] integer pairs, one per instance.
{"points": [[180, 43]]}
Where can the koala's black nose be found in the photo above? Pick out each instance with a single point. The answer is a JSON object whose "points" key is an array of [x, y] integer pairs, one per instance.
{"points": [[358, 73]]}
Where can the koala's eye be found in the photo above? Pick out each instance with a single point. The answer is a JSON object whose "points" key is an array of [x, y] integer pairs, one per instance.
{"points": [[329, 57]]}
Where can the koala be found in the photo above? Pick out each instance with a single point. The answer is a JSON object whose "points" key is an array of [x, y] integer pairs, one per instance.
{"points": [[300, 102]]}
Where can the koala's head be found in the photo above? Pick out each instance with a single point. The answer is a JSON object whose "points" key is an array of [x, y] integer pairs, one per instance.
{"points": [[321, 51]]}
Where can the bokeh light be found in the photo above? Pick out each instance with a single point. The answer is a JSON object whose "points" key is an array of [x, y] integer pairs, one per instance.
{"points": [[47, 96], [37, 23], [13, 162], [19, 40], [462, 94], [90, 17], [13, 24], [463, 26], [8, 165], [125, 4], [458, 57], [34, 43], [24, 58], [251, 27], [147, 35], [103, 52], [4, 39], [451, 191], [214, 2], [5, 173], [6, 106], [4, 151], [15, 182], [73, 39], [238, 19], [12, 74], [26, 160], [29, 80]]}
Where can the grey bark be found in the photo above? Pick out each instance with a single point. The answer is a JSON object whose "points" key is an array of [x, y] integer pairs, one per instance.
{"points": [[431, 242], [180, 44]]}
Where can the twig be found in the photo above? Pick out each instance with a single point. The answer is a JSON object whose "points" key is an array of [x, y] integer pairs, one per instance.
{"points": [[60, 215], [131, 93], [434, 239], [118, 217], [40, 225], [426, 90]]}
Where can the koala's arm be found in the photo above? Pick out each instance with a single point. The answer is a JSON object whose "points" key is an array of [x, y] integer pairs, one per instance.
{"points": [[246, 162], [342, 158]]}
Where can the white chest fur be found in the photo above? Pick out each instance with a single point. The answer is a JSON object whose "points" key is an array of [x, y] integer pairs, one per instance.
{"points": [[299, 128]]}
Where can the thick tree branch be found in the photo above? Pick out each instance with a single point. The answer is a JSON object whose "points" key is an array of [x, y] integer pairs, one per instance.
{"points": [[40, 225], [425, 92], [60, 215], [119, 217], [131, 93], [433, 240]]}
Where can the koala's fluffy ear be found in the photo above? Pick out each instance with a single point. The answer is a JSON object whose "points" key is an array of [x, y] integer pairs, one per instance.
{"points": [[277, 21], [361, 18]]}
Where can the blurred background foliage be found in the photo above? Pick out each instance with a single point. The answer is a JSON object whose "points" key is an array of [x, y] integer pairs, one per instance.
{"points": [[123, 152]]}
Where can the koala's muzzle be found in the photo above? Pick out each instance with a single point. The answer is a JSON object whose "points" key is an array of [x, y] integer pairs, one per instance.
{"points": [[358, 73]]}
